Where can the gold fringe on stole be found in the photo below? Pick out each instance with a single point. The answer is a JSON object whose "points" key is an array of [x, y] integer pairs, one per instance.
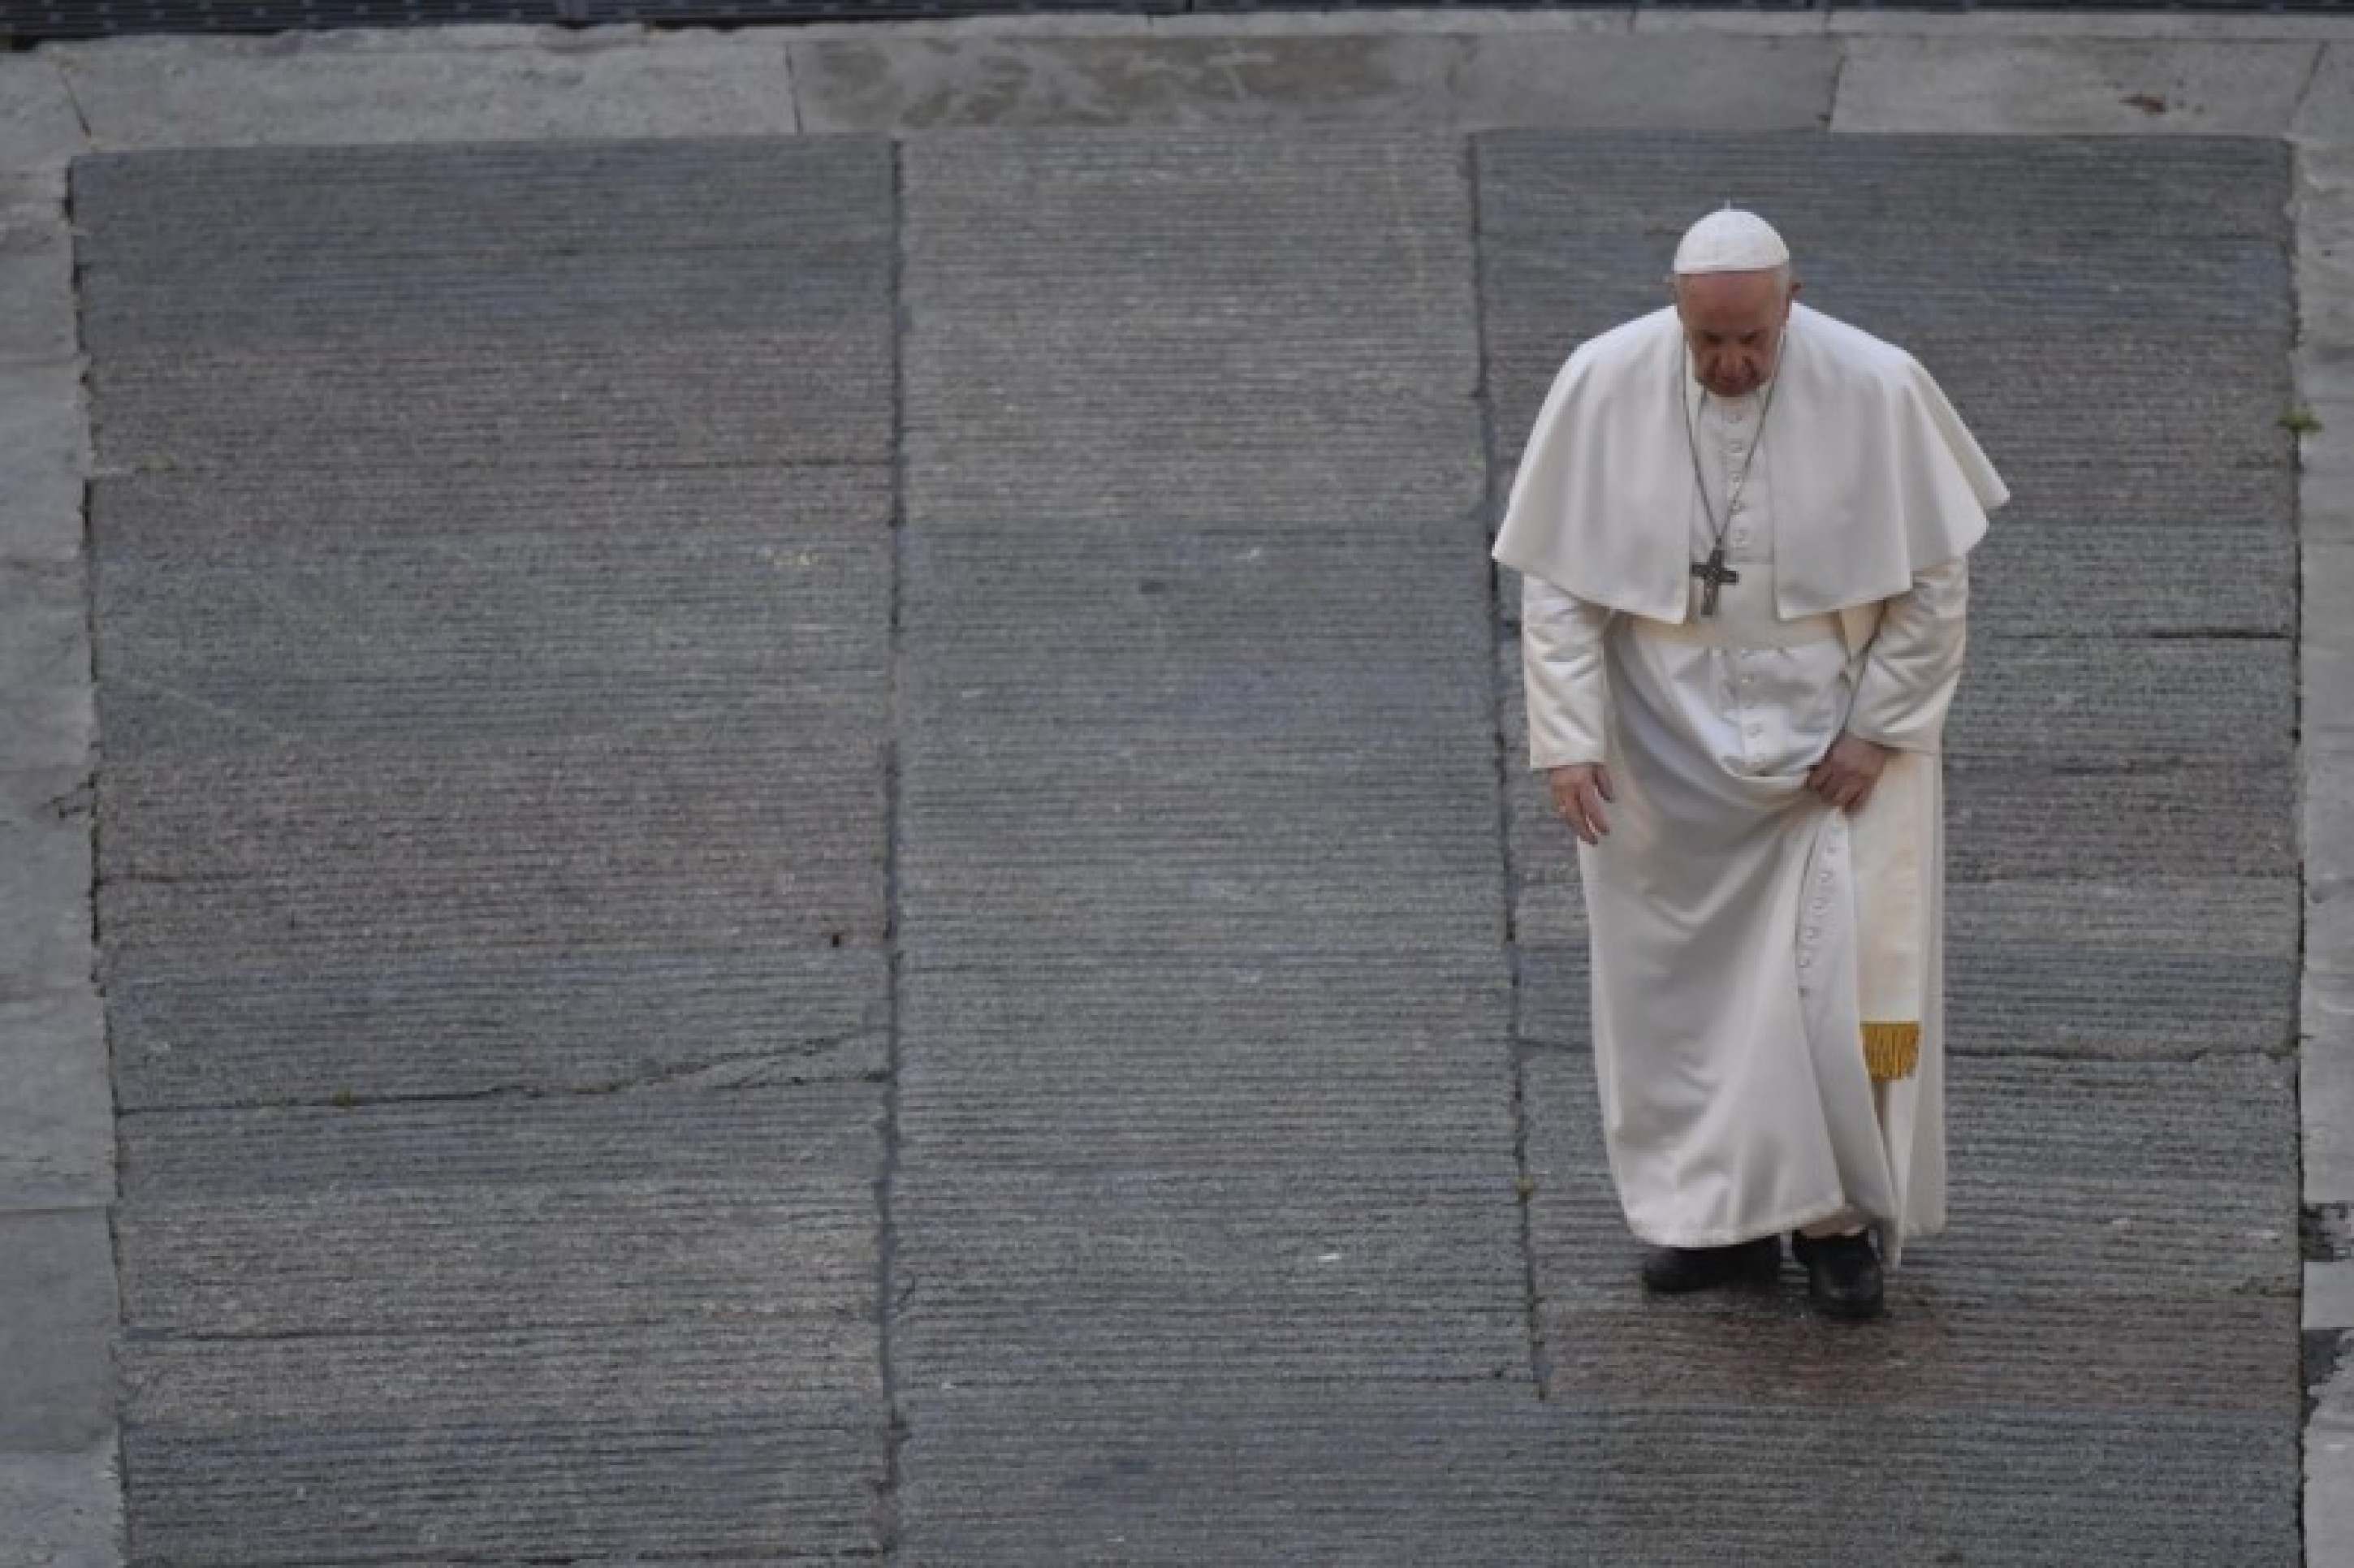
{"points": [[1891, 1050]]}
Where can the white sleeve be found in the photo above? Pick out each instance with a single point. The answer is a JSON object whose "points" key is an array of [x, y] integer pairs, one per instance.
{"points": [[1914, 662], [1568, 688]]}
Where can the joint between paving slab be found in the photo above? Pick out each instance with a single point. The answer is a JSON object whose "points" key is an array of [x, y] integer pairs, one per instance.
{"points": [[793, 105], [2296, 110], [81, 115], [1483, 393], [111, 1520], [888, 1521]]}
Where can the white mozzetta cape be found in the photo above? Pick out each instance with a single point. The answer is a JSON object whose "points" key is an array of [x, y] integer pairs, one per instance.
{"points": [[1878, 479]]}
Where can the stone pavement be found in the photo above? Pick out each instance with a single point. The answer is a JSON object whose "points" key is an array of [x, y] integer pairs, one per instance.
{"points": [[809, 846]]}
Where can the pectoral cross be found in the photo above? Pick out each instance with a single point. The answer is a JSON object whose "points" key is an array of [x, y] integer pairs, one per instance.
{"points": [[1716, 574]]}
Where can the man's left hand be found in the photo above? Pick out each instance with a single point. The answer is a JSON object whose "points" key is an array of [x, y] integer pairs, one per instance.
{"points": [[1845, 776]]}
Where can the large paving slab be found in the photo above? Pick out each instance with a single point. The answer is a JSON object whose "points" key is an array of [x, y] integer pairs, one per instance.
{"points": [[444, 84], [395, 313], [640, 1322], [589, 649], [1206, 1092], [2113, 1314], [1204, 1077], [1219, 328], [492, 879], [1585, 70], [2044, 86]]}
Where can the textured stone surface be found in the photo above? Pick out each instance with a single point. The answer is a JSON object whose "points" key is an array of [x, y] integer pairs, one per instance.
{"points": [[56, 1118], [45, 450], [2324, 115], [492, 872], [2329, 1469], [2029, 579], [1428, 80], [37, 297], [1723, 82], [1137, 967], [2328, 1295], [2084, 1195], [64, 1510], [463, 331], [734, 1436], [894, 82], [164, 92], [44, 873], [57, 1312], [2104, 701], [2327, 1013], [1232, 1469], [1204, 1094], [1223, 328], [624, 1206], [39, 127], [2044, 86], [47, 715]]}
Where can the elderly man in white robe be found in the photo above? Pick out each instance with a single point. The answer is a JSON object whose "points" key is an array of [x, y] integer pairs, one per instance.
{"points": [[1742, 528]]}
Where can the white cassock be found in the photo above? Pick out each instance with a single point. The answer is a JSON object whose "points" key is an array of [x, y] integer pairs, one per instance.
{"points": [[1750, 943]]}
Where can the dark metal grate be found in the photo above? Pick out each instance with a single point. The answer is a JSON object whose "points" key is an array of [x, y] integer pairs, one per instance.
{"points": [[30, 21]]}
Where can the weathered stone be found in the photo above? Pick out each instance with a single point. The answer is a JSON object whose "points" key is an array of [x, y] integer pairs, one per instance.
{"points": [[36, 293], [56, 1321], [2047, 87], [164, 93], [45, 452], [40, 127], [2172, 1185], [2330, 1462], [64, 1510], [57, 1116], [494, 879], [2000, 263], [892, 82], [2329, 1295], [730, 1432], [1559, 77], [518, 339], [1221, 328], [45, 878], [2326, 1078], [1743, 82], [2105, 700], [47, 715], [2326, 113]]}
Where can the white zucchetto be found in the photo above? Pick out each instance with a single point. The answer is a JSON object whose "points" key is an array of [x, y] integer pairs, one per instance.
{"points": [[1730, 240]]}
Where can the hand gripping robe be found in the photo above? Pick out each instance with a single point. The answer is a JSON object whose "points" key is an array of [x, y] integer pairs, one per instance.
{"points": [[1767, 973]]}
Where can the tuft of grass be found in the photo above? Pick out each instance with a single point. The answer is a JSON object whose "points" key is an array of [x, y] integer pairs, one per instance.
{"points": [[2302, 420]]}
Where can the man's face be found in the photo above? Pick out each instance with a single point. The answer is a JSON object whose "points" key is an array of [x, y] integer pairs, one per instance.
{"points": [[1733, 322]]}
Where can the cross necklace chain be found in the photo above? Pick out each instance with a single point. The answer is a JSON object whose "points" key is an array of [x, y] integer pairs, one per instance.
{"points": [[1713, 572]]}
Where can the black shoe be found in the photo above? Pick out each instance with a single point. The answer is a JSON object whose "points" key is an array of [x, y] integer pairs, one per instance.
{"points": [[1680, 1268], [1842, 1273]]}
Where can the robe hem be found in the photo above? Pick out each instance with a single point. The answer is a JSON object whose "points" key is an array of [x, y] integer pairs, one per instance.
{"points": [[1806, 1214]]}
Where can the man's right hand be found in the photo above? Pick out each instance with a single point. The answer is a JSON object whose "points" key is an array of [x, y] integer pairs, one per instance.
{"points": [[1578, 792]]}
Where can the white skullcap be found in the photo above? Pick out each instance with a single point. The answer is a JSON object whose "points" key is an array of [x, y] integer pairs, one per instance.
{"points": [[1730, 240]]}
